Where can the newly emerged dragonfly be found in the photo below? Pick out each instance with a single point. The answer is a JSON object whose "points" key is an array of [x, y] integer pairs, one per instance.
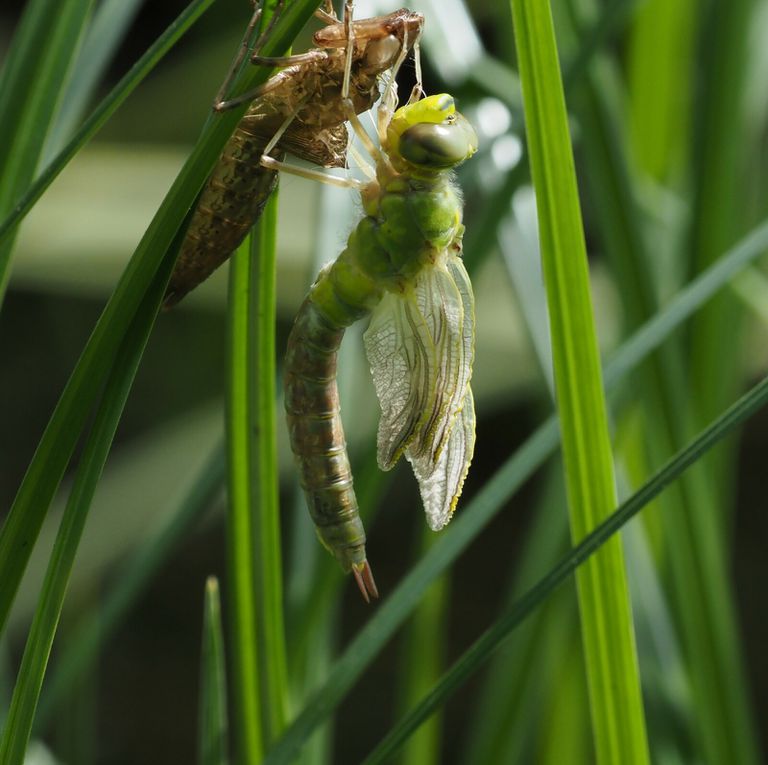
{"points": [[402, 264], [299, 111]]}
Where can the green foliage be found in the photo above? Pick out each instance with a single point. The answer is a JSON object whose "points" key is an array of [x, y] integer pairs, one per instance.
{"points": [[213, 724], [655, 96]]}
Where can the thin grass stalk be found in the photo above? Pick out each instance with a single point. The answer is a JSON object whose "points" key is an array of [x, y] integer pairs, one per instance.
{"points": [[266, 508], [468, 524], [660, 69], [423, 660], [618, 721], [564, 735], [512, 695], [33, 77], [317, 660], [717, 214], [111, 22], [254, 508], [213, 722], [493, 637], [37, 650], [241, 562]]}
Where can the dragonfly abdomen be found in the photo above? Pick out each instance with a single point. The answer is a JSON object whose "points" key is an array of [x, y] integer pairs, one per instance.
{"points": [[317, 436]]}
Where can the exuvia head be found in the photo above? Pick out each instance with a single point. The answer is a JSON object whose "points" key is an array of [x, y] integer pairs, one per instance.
{"points": [[381, 54], [431, 135]]}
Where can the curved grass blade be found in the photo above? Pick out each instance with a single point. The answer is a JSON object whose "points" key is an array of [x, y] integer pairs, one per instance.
{"points": [[502, 485], [34, 662], [261, 685], [103, 112], [490, 640], [504, 715], [44, 473], [660, 64], [33, 76], [423, 660], [212, 723], [110, 24], [84, 645], [263, 392], [241, 560], [618, 720]]}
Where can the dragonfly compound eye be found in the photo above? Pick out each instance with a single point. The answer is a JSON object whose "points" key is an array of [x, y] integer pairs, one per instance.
{"points": [[438, 145]]}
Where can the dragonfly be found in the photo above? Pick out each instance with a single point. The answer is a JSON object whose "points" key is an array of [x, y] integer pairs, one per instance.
{"points": [[299, 111], [402, 267]]}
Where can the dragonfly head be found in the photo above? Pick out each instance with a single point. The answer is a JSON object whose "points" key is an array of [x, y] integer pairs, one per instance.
{"points": [[431, 135]]}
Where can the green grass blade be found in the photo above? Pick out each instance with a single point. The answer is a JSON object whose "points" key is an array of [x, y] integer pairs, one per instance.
{"points": [[241, 560], [44, 473], [84, 645], [34, 662], [618, 721], [423, 660], [717, 216], [261, 385], [102, 113], [34, 74], [505, 714], [656, 330], [253, 507], [213, 723], [660, 69], [491, 639], [698, 571], [503, 83], [503, 484], [566, 737], [111, 21]]}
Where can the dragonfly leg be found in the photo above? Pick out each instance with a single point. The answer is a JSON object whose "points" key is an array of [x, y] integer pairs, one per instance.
{"points": [[418, 88], [297, 58], [349, 108], [361, 162], [389, 97], [234, 67], [221, 103], [312, 175], [362, 133], [327, 14], [350, 30]]}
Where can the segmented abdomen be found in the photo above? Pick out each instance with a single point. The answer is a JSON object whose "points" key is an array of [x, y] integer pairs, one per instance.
{"points": [[317, 435], [232, 199]]}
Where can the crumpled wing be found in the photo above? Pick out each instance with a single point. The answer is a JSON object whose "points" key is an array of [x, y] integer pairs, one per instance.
{"points": [[440, 484], [420, 346]]}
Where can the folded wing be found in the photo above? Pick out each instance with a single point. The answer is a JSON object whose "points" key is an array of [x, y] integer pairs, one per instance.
{"points": [[420, 346]]}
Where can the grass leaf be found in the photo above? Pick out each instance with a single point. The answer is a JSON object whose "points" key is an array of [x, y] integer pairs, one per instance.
{"points": [[618, 720], [33, 76], [212, 726]]}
